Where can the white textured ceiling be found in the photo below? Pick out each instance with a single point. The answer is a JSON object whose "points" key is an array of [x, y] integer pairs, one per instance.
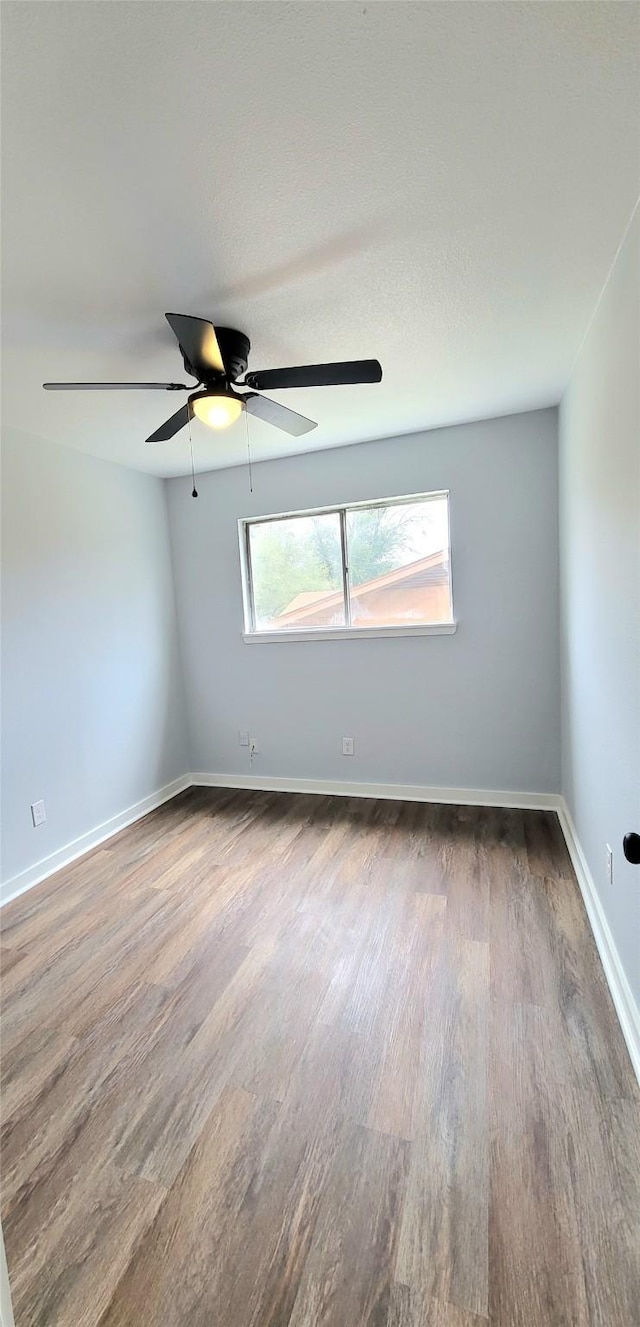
{"points": [[442, 186]]}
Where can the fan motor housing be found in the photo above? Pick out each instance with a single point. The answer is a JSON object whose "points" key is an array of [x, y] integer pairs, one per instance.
{"points": [[234, 348]]}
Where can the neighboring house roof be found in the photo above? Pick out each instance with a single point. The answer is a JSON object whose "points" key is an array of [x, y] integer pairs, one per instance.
{"points": [[304, 599], [431, 570]]}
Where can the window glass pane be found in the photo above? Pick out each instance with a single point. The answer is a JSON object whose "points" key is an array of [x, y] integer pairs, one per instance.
{"points": [[296, 568], [399, 564]]}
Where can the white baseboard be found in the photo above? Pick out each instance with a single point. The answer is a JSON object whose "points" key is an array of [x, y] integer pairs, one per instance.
{"points": [[10, 889], [621, 993], [403, 792]]}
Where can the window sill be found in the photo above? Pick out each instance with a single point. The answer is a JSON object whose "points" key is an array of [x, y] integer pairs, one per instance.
{"points": [[349, 633]]}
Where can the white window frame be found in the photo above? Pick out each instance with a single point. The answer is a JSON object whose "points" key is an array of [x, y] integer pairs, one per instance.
{"points": [[253, 636]]}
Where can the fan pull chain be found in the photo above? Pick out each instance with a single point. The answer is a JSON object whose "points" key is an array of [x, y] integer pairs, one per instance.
{"points": [[246, 424], [194, 491]]}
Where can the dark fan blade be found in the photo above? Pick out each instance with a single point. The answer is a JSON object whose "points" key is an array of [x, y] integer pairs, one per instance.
{"points": [[198, 341], [173, 425], [317, 375], [278, 415], [114, 386]]}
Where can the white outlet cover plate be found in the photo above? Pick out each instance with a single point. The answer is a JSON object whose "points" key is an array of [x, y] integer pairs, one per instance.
{"points": [[347, 746], [38, 813]]}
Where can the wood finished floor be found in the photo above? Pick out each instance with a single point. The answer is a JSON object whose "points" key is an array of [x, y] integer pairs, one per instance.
{"points": [[287, 1061]]}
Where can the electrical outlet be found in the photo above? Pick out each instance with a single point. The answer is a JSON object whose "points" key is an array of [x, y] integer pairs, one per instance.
{"points": [[347, 746], [38, 814], [253, 746], [243, 737], [610, 864]]}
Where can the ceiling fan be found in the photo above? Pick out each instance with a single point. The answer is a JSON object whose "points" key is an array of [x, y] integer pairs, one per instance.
{"points": [[217, 358]]}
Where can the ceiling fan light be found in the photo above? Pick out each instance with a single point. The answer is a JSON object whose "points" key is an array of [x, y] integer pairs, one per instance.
{"points": [[217, 409]]}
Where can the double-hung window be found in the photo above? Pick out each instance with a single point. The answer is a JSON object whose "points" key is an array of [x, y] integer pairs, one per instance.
{"points": [[367, 568]]}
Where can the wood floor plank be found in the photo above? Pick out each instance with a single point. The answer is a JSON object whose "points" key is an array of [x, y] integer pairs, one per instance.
{"points": [[107, 1082], [521, 940], [71, 1243], [589, 1040], [38, 912], [32, 1068], [276, 1227], [36, 1138], [62, 983], [267, 1200], [356, 1008], [410, 1309], [273, 1060], [174, 1277], [9, 957], [535, 1251], [151, 1119], [398, 1101], [468, 854], [276, 1022], [349, 1270], [603, 1157], [547, 852], [443, 1249]]}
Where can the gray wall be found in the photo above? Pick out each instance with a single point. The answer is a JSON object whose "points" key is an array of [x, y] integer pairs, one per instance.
{"points": [[600, 560], [92, 697], [479, 709]]}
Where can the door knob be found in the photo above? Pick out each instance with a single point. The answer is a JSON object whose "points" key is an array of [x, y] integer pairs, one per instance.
{"points": [[631, 848]]}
